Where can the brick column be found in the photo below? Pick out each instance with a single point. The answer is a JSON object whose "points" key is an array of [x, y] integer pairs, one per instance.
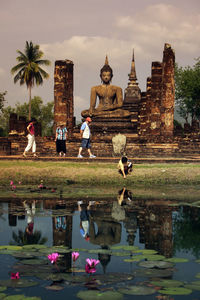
{"points": [[63, 94], [156, 80], [168, 92]]}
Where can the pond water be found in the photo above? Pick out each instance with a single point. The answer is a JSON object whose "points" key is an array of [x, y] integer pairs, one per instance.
{"points": [[149, 248]]}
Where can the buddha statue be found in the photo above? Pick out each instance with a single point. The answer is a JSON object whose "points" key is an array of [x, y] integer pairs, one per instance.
{"points": [[110, 97]]}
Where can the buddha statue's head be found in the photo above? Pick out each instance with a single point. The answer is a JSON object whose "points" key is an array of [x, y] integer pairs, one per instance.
{"points": [[106, 73]]}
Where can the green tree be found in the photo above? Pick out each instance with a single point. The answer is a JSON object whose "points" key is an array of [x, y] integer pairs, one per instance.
{"points": [[187, 91], [28, 71], [4, 120], [42, 112], [2, 100]]}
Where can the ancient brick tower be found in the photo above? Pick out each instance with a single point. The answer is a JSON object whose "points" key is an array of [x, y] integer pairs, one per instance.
{"points": [[157, 103], [63, 94]]}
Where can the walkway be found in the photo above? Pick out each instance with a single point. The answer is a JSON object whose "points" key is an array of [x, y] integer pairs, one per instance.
{"points": [[137, 160]]}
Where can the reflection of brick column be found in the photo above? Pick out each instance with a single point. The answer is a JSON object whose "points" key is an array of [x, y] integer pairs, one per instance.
{"points": [[63, 93], [156, 81], [168, 92]]}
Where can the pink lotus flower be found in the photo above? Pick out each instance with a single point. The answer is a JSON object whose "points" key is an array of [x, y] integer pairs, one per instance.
{"points": [[53, 257], [14, 275], [11, 182], [13, 187], [40, 186], [75, 256], [19, 182], [90, 267]]}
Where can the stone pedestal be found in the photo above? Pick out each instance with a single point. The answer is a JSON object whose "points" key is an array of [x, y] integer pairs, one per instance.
{"points": [[113, 125]]}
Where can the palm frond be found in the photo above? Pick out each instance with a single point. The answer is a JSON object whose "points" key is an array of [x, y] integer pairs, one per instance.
{"points": [[44, 62]]}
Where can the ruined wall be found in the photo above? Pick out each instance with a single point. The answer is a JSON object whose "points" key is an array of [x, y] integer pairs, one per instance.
{"points": [[157, 110], [63, 94]]}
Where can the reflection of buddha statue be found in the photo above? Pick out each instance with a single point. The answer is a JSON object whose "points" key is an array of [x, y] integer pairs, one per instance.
{"points": [[110, 97]]}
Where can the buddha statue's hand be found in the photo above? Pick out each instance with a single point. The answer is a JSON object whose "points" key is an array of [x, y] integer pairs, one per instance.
{"points": [[91, 112]]}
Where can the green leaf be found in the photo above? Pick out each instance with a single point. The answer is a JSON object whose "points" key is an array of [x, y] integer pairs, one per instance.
{"points": [[93, 295], [156, 264], [167, 283], [137, 290], [177, 260], [35, 261], [17, 283], [175, 291], [153, 273]]}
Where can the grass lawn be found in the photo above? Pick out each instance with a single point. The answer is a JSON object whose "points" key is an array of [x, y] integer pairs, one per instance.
{"points": [[91, 174], [180, 181]]}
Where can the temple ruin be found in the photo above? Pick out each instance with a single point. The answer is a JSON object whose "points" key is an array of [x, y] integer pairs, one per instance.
{"points": [[147, 129], [152, 112]]}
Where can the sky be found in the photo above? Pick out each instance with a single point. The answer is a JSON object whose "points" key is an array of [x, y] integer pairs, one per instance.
{"points": [[85, 31]]}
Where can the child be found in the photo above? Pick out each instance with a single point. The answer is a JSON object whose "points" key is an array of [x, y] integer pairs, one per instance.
{"points": [[125, 166]]}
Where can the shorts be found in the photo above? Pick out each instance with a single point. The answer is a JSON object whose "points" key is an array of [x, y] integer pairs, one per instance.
{"points": [[85, 143]]}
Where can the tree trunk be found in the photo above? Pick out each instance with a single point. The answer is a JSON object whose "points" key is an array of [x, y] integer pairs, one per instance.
{"points": [[29, 110]]}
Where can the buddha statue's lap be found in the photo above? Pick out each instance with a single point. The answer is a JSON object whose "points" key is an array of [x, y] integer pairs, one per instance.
{"points": [[110, 98]]}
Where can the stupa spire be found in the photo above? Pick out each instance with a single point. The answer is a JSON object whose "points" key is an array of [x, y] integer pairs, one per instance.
{"points": [[132, 74]]}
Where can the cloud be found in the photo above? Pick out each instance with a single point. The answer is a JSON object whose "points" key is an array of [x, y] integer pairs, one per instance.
{"points": [[2, 71], [88, 51], [80, 104], [162, 23]]}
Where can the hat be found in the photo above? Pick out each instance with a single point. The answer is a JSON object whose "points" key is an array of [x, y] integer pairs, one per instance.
{"points": [[88, 119]]}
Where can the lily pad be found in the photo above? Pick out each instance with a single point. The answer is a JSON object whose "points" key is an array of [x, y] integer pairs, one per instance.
{"points": [[11, 248], [177, 260], [55, 249], [147, 251], [21, 297], [156, 264], [197, 261], [117, 247], [101, 251], [167, 283], [17, 283], [135, 258], [175, 291], [3, 288], [191, 286], [153, 273], [93, 295], [198, 275], [154, 257], [23, 255], [123, 253], [34, 246], [2, 296], [138, 290], [130, 248], [55, 287], [34, 261]]}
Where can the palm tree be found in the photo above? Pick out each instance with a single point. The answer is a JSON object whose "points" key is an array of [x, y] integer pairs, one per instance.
{"points": [[28, 70], [22, 238]]}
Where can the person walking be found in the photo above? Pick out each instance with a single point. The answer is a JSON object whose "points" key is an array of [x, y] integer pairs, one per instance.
{"points": [[85, 133], [31, 138], [61, 135]]}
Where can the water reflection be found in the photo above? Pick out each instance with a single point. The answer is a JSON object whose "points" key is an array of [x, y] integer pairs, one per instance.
{"points": [[101, 223], [28, 235]]}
